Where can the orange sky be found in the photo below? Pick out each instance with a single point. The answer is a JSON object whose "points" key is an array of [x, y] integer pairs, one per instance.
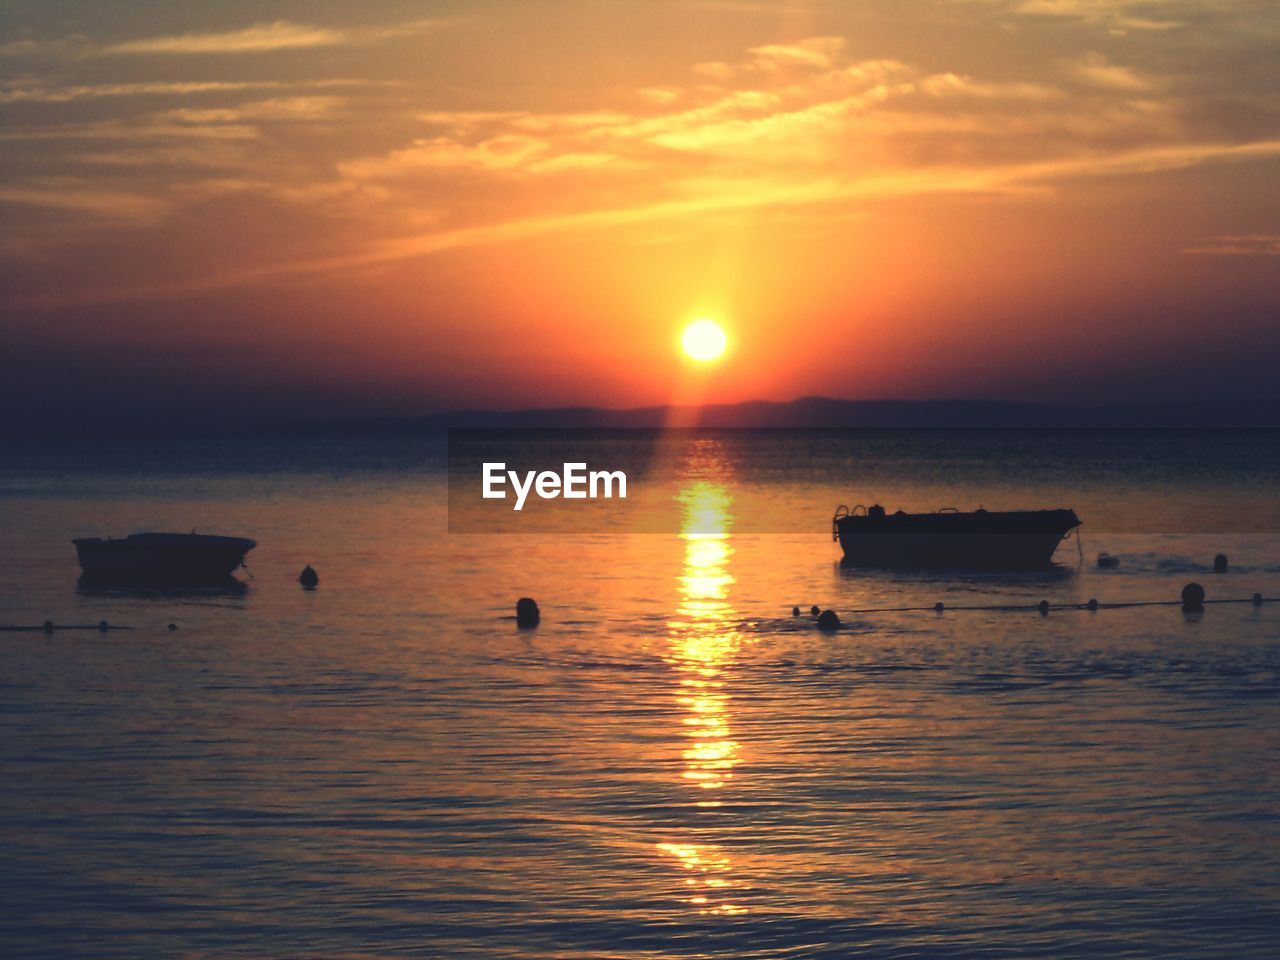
{"points": [[396, 207]]}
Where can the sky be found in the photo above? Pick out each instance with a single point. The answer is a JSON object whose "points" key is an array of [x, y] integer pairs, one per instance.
{"points": [[257, 211]]}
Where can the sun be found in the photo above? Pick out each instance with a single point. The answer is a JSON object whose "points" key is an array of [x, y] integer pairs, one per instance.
{"points": [[704, 340]]}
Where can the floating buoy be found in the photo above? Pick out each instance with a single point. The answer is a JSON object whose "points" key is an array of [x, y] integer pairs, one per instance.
{"points": [[1193, 598], [308, 577], [814, 611], [1257, 599], [173, 626], [527, 612], [828, 620], [103, 626], [795, 611], [1220, 563], [47, 627], [939, 606], [1093, 603], [1044, 608]]}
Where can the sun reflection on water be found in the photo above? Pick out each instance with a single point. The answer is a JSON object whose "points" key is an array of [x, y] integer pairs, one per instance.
{"points": [[704, 639]]}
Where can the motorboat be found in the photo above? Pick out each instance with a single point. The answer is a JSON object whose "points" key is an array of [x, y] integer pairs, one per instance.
{"points": [[871, 536], [190, 557]]}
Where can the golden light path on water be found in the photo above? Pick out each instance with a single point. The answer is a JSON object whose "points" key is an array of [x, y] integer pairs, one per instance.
{"points": [[704, 641]]}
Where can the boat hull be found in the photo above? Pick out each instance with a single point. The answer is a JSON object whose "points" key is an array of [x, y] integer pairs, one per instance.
{"points": [[177, 557], [980, 540]]}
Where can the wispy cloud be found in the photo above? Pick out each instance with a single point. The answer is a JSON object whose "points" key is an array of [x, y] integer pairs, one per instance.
{"points": [[812, 52], [715, 197], [33, 90], [658, 95], [771, 116], [140, 130], [255, 39], [83, 197], [952, 84], [797, 125], [259, 38], [1095, 69], [499, 153], [1117, 15], [1239, 245], [278, 109]]}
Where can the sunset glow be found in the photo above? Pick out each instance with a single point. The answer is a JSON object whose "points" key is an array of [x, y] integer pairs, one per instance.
{"points": [[345, 211]]}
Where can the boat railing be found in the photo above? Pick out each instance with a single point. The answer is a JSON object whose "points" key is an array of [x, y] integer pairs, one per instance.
{"points": [[843, 511]]}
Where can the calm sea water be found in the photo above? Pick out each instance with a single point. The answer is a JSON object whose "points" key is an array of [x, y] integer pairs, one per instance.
{"points": [[671, 765]]}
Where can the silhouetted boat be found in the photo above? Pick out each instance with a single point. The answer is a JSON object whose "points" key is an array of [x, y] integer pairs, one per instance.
{"points": [[949, 538], [177, 557]]}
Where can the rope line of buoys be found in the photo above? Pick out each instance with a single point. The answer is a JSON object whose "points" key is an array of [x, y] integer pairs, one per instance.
{"points": [[49, 626], [1193, 598]]}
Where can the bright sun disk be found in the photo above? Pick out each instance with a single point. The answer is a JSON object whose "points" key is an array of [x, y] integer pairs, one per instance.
{"points": [[703, 340]]}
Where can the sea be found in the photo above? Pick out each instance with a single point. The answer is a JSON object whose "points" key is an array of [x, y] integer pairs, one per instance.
{"points": [[671, 764]]}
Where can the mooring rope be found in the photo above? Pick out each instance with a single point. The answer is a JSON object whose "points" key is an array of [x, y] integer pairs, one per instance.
{"points": [[1091, 606]]}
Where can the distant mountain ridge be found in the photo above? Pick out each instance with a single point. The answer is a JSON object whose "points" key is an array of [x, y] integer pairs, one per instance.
{"points": [[827, 412], [799, 414]]}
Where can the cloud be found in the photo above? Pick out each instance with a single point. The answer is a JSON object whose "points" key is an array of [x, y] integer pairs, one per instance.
{"points": [[713, 196], [184, 157], [1118, 15], [259, 38], [874, 112], [813, 52], [501, 153], [1094, 69], [29, 90], [1239, 245], [786, 119], [468, 119], [814, 131], [576, 161], [148, 128], [951, 84], [37, 47], [715, 69], [658, 95], [78, 196], [809, 53], [289, 109]]}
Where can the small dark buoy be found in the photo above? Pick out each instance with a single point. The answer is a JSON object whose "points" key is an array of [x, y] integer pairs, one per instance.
{"points": [[173, 626], [814, 611], [1093, 603], [1220, 563], [527, 612], [308, 577], [48, 626], [103, 625], [1044, 608], [828, 620], [795, 611], [939, 606], [1192, 597], [1257, 599]]}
